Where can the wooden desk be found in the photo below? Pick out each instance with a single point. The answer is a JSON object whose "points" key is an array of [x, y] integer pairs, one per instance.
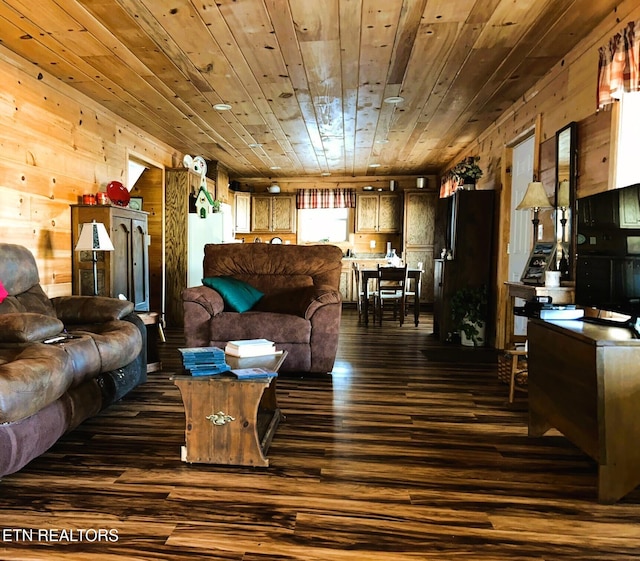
{"points": [[229, 421], [367, 274], [560, 295], [584, 381]]}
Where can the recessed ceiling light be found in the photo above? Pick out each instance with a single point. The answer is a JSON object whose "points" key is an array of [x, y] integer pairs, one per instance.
{"points": [[325, 173], [374, 165], [255, 145], [275, 167], [393, 99], [382, 141], [222, 107]]}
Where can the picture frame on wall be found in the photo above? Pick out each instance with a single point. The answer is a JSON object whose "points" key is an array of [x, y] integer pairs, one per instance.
{"points": [[135, 203], [540, 261]]}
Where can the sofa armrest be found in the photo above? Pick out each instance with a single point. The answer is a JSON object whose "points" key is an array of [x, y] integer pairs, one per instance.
{"points": [[206, 297], [302, 302], [319, 297], [200, 304], [90, 309], [27, 327]]}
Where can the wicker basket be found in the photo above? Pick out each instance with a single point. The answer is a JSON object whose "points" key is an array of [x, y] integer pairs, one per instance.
{"points": [[505, 362]]}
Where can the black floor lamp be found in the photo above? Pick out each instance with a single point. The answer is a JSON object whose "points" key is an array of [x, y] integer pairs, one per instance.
{"points": [[94, 238]]}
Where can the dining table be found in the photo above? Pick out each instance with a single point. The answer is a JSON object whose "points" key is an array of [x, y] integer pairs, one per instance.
{"points": [[414, 275]]}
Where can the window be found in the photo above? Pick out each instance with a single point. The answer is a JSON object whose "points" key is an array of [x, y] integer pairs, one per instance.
{"points": [[323, 225]]}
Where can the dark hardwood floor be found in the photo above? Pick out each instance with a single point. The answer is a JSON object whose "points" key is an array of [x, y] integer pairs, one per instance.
{"points": [[394, 457]]}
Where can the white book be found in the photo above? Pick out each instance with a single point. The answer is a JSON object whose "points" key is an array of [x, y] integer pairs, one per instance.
{"points": [[246, 343], [252, 351]]}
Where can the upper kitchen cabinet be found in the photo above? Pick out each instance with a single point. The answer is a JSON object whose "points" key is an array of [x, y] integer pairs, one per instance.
{"points": [[379, 213], [273, 213], [242, 212]]}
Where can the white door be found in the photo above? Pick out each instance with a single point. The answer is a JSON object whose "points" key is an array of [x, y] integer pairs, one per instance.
{"points": [[521, 230]]}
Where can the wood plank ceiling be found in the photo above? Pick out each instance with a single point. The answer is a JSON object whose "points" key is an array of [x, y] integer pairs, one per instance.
{"points": [[306, 79]]}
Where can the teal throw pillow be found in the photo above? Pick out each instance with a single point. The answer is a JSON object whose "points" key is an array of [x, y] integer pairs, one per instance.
{"points": [[236, 294]]}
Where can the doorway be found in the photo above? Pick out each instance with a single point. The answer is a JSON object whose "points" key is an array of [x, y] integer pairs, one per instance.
{"points": [[520, 231], [145, 179]]}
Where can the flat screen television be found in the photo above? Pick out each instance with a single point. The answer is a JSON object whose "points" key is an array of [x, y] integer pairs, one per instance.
{"points": [[608, 254]]}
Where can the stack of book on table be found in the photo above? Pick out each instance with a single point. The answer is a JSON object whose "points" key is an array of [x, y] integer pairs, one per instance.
{"points": [[250, 347], [204, 361]]}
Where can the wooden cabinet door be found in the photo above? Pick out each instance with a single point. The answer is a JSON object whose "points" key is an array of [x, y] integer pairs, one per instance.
{"points": [[389, 213], [367, 213], [260, 214], [283, 214], [139, 264], [121, 260], [419, 235], [420, 212], [243, 212]]}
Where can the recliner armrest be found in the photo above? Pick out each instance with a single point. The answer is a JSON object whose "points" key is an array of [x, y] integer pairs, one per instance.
{"points": [[26, 327], [302, 302], [320, 297], [206, 297], [90, 309]]}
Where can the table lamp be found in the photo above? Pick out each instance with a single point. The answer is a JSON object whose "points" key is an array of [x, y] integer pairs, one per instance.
{"points": [[94, 238], [563, 204], [535, 198]]}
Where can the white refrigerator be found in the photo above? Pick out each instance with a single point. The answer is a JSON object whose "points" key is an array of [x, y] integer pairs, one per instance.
{"points": [[217, 227]]}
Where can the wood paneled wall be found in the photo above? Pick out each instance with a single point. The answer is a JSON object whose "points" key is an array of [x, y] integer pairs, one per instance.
{"points": [[567, 93], [56, 145]]}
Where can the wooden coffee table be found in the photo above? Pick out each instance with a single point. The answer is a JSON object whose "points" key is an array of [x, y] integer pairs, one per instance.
{"points": [[231, 421]]}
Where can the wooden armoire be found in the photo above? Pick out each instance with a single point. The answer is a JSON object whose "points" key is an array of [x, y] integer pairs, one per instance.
{"points": [[124, 271], [464, 229]]}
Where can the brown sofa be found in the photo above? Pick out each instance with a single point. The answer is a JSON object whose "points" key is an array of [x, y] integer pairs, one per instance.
{"points": [[300, 310], [48, 389]]}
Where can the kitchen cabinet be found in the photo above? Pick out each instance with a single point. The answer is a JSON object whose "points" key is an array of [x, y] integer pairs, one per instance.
{"points": [[379, 213], [418, 238], [273, 213], [242, 212], [124, 271]]}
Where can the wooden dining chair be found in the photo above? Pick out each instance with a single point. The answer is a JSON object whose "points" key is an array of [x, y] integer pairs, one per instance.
{"points": [[391, 288], [412, 294], [359, 291]]}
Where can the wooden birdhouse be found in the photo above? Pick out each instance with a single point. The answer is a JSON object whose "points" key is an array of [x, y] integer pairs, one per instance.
{"points": [[205, 203]]}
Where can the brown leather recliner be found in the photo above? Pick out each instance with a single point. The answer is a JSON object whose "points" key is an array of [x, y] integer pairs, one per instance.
{"points": [[300, 310], [48, 389]]}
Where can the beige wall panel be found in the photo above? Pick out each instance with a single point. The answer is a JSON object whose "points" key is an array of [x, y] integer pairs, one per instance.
{"points": [[57, 145]]}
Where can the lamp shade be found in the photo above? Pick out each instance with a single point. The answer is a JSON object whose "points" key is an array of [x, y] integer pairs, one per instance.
{"points": [[94, 237], [563, 194], [534, 197]]}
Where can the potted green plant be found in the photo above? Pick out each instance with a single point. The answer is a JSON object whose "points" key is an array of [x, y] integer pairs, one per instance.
{"points": [[469, 314], [468, 171]]}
